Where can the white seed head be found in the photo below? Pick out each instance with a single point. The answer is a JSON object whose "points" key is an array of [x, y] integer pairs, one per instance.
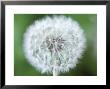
{"points": [[54, 44]]}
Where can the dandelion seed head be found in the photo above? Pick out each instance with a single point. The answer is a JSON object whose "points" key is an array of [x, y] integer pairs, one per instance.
{"points": [[55, 42]]}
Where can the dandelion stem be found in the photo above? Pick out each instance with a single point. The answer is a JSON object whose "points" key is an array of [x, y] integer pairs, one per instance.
{"points": [[55, 73]]}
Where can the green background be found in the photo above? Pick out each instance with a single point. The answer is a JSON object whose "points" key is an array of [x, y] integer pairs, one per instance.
{"points": [[87, 65]]}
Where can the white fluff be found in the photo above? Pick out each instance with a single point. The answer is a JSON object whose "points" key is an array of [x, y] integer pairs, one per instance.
{"points": [[54, 44]]}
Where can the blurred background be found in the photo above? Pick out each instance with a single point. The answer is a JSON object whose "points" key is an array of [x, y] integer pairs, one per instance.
{"points": [[87, 65]]}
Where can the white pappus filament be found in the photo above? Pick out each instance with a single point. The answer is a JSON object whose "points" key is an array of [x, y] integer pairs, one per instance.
{"points": [[54, 44]]}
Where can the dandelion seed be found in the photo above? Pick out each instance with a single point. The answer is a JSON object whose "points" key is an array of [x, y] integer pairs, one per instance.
{"points": [[54, 44]]}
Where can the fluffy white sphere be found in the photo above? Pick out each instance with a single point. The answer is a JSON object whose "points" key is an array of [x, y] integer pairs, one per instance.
{"points": [[54, 44]]}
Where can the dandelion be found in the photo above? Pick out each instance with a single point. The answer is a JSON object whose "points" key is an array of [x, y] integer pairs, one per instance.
{"points": [[54, 44]]}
